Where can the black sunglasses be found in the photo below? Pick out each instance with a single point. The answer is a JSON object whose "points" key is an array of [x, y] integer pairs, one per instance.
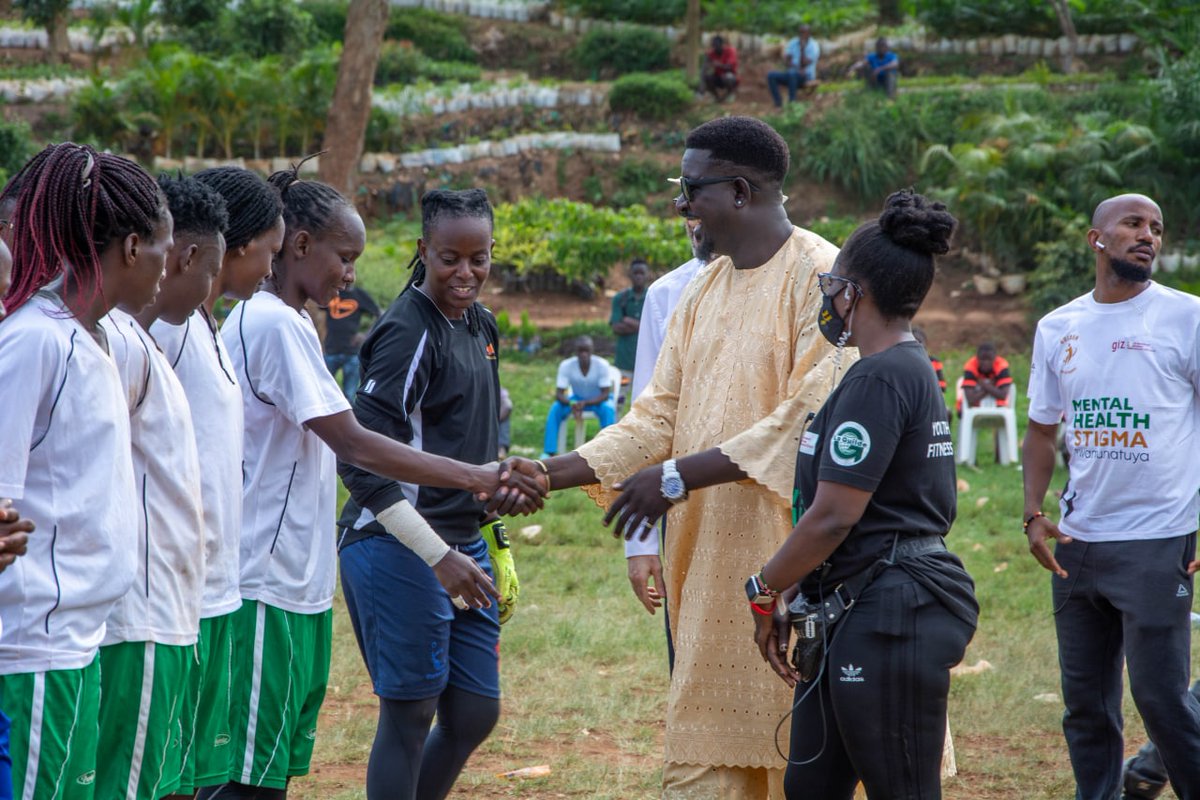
{"points": [[826, 282], [687, 186]]}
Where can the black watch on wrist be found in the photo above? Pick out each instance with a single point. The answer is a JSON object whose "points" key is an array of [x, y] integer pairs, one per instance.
{"points": [[758, 593]]}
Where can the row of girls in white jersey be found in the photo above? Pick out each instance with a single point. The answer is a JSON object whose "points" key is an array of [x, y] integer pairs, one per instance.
{"points": [[168, 630]]}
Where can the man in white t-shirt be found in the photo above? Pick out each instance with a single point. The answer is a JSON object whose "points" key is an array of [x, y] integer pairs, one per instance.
{"points": [[584, 384], [1120, 368]]}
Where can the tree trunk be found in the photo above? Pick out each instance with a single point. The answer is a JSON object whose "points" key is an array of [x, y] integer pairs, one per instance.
{"points": [[1063, 9], [60, 45], [692, 43], [889, 12], [346, 125]]}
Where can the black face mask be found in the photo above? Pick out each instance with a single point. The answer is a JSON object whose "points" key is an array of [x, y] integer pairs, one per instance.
{"points": [[830, 324]]}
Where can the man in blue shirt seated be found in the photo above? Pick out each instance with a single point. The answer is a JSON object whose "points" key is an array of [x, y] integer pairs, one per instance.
{"points": [[880, 69], [589, 382], [800, 65]]}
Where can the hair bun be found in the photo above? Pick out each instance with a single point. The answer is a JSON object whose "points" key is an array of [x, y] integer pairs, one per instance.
{"points": [[917, 223]]}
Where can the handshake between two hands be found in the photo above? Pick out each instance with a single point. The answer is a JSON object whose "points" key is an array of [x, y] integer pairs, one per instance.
{"points": [[515, 486], [520, 485]]}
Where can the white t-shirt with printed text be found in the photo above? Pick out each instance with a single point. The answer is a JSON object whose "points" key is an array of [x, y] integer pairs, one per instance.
{"points": [[288, 553], [202, 364], [67, 465], [164, 604], [1124, 378]]}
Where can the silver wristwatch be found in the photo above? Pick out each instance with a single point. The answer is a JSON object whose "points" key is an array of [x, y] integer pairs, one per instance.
{"points": [[672, 484]]}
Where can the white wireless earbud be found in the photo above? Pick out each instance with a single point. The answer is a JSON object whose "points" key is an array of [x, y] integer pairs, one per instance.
{"points": [[1100, 246]]}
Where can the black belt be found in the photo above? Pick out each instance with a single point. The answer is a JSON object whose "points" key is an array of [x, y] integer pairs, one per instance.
{"points": [[844, 595]]}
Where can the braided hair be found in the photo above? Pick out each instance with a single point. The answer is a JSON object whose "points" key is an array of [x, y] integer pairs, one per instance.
{"points": [[196, 207], [435, 205], [252, 203], [310, 205], [72, 203]]}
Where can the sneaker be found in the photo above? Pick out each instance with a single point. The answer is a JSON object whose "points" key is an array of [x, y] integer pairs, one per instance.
{"points": [[1136, 786]]}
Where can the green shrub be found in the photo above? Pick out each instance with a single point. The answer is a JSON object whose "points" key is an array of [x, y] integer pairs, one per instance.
{"points": [[582, 242], [956, 18], [439, 36], [604, 54], [636, 179], [1066, 269], [827, 17], [98, 115], [195, 23], [259, 28], [328, 18], [16, 145], [762, 16], [650, 96], [835, 229], [866, 145], [401, 63], [646, 12]]}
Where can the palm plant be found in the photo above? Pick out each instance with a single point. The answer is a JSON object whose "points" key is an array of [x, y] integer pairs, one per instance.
{"points": [[310, 91], [153, 90], [137, 15], [97, 114]]}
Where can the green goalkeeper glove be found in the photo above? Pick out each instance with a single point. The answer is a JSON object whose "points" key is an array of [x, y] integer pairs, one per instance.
{"points": [[503, 569]]}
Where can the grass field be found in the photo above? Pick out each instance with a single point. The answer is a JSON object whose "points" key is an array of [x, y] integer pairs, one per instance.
{"points": [[585, 674]]}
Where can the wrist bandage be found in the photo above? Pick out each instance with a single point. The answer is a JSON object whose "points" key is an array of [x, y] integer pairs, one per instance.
{"points": [[410, 528]]}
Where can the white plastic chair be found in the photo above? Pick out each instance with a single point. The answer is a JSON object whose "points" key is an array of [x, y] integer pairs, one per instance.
{"points": [[987, 414], [614, 398]]}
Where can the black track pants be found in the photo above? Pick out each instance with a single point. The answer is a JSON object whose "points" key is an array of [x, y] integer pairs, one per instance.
{"points": [[1127, 601], [878, 712]]}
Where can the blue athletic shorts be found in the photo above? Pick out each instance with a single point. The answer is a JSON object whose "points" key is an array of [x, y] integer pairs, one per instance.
{"points": [[413, 640]]}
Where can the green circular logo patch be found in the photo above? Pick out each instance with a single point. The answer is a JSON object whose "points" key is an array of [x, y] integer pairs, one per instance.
{"points": [[849, 444]]}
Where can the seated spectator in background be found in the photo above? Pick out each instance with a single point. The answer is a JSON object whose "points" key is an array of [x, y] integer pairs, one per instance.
{"points": [[504, 440], [721, 70], [626, 318], [800, 56], [985, 375], [344, 334], [880, 69], [587, 379]]}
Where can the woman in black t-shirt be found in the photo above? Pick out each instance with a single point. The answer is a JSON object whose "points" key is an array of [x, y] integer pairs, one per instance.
{"points": [[419, 589], [875, 494]]}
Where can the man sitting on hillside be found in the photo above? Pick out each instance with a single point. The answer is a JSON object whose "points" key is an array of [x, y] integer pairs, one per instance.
{"points": [[800, 65], [880, 69], [587, 379], [721, 70]]}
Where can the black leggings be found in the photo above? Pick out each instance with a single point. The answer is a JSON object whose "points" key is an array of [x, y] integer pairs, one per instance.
{"points": [[878, 711], [409, 761]]}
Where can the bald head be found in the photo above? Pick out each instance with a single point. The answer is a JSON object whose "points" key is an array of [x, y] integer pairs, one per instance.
{"points": [[1115, 207], [1126, 235]]}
